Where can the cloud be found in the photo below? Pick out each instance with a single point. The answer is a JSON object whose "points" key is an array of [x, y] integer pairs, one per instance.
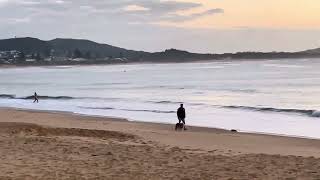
{"points": [[180, 18], [125, 23], [131, 8], [19, 20], [125, 11], [137, 24]]}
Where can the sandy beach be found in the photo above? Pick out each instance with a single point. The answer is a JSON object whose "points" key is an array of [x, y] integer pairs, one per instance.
{"points": [[56, 145]]}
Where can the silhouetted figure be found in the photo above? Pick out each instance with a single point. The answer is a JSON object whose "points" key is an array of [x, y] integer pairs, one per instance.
{"points": [[36, 98], [181, 113]]}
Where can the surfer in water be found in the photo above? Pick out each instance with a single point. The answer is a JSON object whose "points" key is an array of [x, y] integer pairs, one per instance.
{"points": [[35, 97]]}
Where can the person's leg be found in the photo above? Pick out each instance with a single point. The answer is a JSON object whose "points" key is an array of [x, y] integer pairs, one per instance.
{"points": [[182, 119], [184, 124], [179, 120]]}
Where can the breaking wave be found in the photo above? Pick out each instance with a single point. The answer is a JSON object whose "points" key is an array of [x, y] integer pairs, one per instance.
{"points": [[10, 96], [312, 113]]}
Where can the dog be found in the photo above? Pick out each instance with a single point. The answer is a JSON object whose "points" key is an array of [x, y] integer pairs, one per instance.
{"points": [[179, 126]]}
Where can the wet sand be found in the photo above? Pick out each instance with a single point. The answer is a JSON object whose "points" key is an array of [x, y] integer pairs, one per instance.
{"points": [[56, 145]]}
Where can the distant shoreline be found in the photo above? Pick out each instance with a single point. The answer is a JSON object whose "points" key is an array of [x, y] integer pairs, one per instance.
{"points": [[35, 52], [149, 62]]}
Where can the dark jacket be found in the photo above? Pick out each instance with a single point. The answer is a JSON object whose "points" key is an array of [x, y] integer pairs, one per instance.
{"points": [[181, 113]]}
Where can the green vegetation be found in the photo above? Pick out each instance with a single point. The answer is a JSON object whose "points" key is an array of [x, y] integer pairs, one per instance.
{"points": [[76, 51]]}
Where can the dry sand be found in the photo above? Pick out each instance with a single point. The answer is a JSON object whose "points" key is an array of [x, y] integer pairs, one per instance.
{"points": [[46, 145]]}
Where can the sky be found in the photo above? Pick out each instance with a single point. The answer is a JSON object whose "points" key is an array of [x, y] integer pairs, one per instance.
{"points": [[205, 26]]}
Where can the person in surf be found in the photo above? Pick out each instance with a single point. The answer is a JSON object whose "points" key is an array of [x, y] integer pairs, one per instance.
{"points": [[181, 113], [35, 97]]}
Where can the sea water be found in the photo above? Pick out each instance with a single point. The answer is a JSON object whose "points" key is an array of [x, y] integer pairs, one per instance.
{"points": [[267, 96]]}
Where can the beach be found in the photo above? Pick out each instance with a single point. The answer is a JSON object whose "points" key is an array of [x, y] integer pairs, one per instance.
{"points": [[58, 145], [159, 89]]}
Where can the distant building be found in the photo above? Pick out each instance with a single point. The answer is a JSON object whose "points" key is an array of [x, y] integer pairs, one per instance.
{"points": [[31, 60], [58, 59], [120, 59], [79, 60], [9, 57]]}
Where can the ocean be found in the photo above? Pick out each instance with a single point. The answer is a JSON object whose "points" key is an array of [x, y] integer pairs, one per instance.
{"points": [[265, 96]]}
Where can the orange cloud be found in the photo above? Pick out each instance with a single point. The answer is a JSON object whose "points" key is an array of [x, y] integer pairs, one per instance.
{"points": [[283, 14]]}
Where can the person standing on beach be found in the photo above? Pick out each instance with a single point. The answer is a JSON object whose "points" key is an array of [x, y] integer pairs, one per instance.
{"points": [[181, 113], [35, 97]]}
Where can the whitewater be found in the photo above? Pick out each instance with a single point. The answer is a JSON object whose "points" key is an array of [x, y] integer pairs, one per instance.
{"points": [[264, 96]]}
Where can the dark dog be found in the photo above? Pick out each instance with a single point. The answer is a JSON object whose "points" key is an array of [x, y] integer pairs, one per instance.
{"points": [[179, 126]]}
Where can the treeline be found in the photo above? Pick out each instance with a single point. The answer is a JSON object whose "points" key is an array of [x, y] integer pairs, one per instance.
{"points": [[181, 56], [74, 51]]}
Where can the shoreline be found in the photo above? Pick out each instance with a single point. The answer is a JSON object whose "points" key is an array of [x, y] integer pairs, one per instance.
{"points": [[194, 137], [122, 119]]}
